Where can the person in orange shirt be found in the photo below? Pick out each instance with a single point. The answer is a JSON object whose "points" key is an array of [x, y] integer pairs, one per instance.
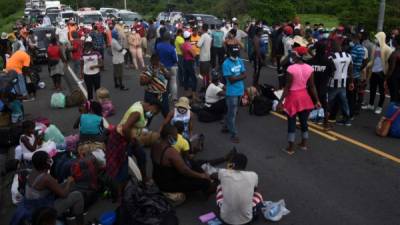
{"points": [[71, 28], [19, 62], [193, 40]]}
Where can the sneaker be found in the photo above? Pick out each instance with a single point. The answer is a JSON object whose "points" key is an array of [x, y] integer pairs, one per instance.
{"points": [[367, 107], [378, 110], [346, 123]]}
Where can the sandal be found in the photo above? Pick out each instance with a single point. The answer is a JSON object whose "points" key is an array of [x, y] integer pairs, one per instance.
{"points": [[235, 140], [304, 148], [288, 152]]}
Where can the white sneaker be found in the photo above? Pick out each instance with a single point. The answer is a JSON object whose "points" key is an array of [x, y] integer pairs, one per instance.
{"points": [[378, 110], [367, 107]]}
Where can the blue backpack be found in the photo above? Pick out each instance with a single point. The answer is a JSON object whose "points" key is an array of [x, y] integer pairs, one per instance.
{"points": [[395, 128]]}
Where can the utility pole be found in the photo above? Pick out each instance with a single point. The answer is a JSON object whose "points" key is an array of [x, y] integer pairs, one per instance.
{"points": [[381, 17], [125, 4]]}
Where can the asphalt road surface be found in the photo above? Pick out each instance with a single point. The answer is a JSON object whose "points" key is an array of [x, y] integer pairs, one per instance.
{"points": [[348, 176]]}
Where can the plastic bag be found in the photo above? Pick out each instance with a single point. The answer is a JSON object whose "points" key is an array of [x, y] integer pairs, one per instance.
{"points": [[57, 100], [54, 134], [317, 114], [15, 195], [100, 157], [274, 211]]}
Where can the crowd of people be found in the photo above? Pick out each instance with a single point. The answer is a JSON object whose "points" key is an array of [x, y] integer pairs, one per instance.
{"points": [[315, 67]]}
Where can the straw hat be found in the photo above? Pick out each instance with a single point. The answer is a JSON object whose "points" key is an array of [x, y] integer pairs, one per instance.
{"points": [[4, 36], [183, 102]]}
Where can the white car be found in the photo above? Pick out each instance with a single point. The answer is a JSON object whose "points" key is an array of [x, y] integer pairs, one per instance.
{"points": [[128, 17], [89, 17]]}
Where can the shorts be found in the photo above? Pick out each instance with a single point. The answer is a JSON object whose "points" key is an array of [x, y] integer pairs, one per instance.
{"points": [[205, 68]]}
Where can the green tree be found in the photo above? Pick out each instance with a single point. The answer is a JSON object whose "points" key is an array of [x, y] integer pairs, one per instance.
{"points": [[272, 11]]}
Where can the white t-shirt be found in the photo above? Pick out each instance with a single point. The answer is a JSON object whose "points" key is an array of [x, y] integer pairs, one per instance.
{"points": [[62, 34], [238, 190], [91, 59], [212, 93], [205, 47], [240, 34]]}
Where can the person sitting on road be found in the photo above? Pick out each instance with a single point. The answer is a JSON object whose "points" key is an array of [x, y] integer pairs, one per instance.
{"points": [[90, 122], [170, 172], [181, 113], [29, 141], [237, 196], [182, 144], [41, 188], [215, 96]]}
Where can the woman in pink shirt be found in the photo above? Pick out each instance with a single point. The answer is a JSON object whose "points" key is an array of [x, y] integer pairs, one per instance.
{"points": [[298, 102], [189, 54]]}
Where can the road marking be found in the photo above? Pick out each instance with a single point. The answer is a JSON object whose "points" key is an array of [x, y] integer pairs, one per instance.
{"points": [[334, 135], [78, 81], [329, 137]]}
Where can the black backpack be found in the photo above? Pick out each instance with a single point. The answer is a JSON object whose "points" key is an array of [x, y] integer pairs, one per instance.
{"points": [[144, 205], [261, 106], [208, 117]]}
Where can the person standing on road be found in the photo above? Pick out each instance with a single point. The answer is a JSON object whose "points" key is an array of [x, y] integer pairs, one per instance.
{"points": [[298, 102], [99, 40], [77, 49], [323, 72], [167, 53], [234, 72], [140, 29], [393, 77], [118, 61], [260, 51], [91, 62], [217, 50], [204, 44], [151, 37], [190, 80], [179, 40], [62, 36], [57, 63], [135, 48], [194, 39]]}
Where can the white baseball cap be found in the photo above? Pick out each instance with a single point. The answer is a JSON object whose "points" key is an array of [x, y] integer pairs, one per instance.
{"points": [[186, 34]]}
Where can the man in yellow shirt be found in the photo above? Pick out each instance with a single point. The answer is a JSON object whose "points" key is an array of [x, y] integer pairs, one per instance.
{"points": [[178, 43]]}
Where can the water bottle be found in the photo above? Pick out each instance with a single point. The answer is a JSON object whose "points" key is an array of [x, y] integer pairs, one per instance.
{"points": [[274, 210]]}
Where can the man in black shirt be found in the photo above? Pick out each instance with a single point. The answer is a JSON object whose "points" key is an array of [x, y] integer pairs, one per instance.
{"points": [[323, 72]]}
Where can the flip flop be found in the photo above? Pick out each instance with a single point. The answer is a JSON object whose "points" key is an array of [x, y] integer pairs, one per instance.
{"points": [[287, 152], [304, 148]]}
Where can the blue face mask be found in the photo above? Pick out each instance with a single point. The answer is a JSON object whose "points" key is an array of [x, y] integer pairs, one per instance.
{"points": [[148, 115], [172, 141]]}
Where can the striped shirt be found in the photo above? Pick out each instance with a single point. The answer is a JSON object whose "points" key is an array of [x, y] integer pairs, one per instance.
{"points": [[357, 55], [158, 82], [342, 61]]}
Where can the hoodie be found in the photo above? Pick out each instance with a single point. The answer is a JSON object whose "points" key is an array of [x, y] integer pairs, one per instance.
{"points": [[386, 51]]}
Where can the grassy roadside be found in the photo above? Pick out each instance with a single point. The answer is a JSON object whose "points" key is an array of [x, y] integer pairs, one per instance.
{"points": [[328, 20], [7, 23]]}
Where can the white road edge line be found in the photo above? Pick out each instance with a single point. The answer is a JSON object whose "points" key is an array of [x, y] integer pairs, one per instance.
{"points": [[78, 81]]}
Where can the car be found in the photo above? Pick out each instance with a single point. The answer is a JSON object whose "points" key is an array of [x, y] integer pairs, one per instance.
{"points": [[27, 11], [43, 41], [89, 17], [210, 20], [128, 17], [66, 15], [106, 11]]}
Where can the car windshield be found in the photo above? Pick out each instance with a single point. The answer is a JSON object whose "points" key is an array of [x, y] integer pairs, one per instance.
{"points": [[67, 15], [89, 19], [53, 17], [129, 16]]}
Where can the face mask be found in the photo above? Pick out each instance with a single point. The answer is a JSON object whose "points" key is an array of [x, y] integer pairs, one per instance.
{"points": [[50, 162], [182, 111], [148, 115], [36, 38], [48, 36], [172, 141], [126, 30], [351, 44], [233, 58]]}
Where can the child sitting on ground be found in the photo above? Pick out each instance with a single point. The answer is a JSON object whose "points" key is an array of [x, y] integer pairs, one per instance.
{"points": [[182, 145], [29, 141]]}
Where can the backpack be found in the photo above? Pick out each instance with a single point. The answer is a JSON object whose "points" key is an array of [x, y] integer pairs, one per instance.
{"points": [[261, 106], [144, 205], [76, 98], [394, 130], [57, 100], [7, 81], [208, 117], [268, 91]]}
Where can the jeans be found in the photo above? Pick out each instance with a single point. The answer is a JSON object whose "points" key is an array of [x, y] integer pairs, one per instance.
{"points": [[92, 83], [258, 64], [339, 94], [232, 103], [180, 71], [20, 87], [376, 81], [118, 70], [217, 52], [189, 75], [355, 98], [173, 86], [303, 117]]}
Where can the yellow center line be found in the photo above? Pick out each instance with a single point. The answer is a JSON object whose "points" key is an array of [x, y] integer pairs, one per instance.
{"points": [[334, 135]]}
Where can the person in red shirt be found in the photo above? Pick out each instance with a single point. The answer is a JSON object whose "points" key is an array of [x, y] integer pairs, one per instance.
{"points": [[56, 62], [139, 28], [77, 48], [81, 30]]}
